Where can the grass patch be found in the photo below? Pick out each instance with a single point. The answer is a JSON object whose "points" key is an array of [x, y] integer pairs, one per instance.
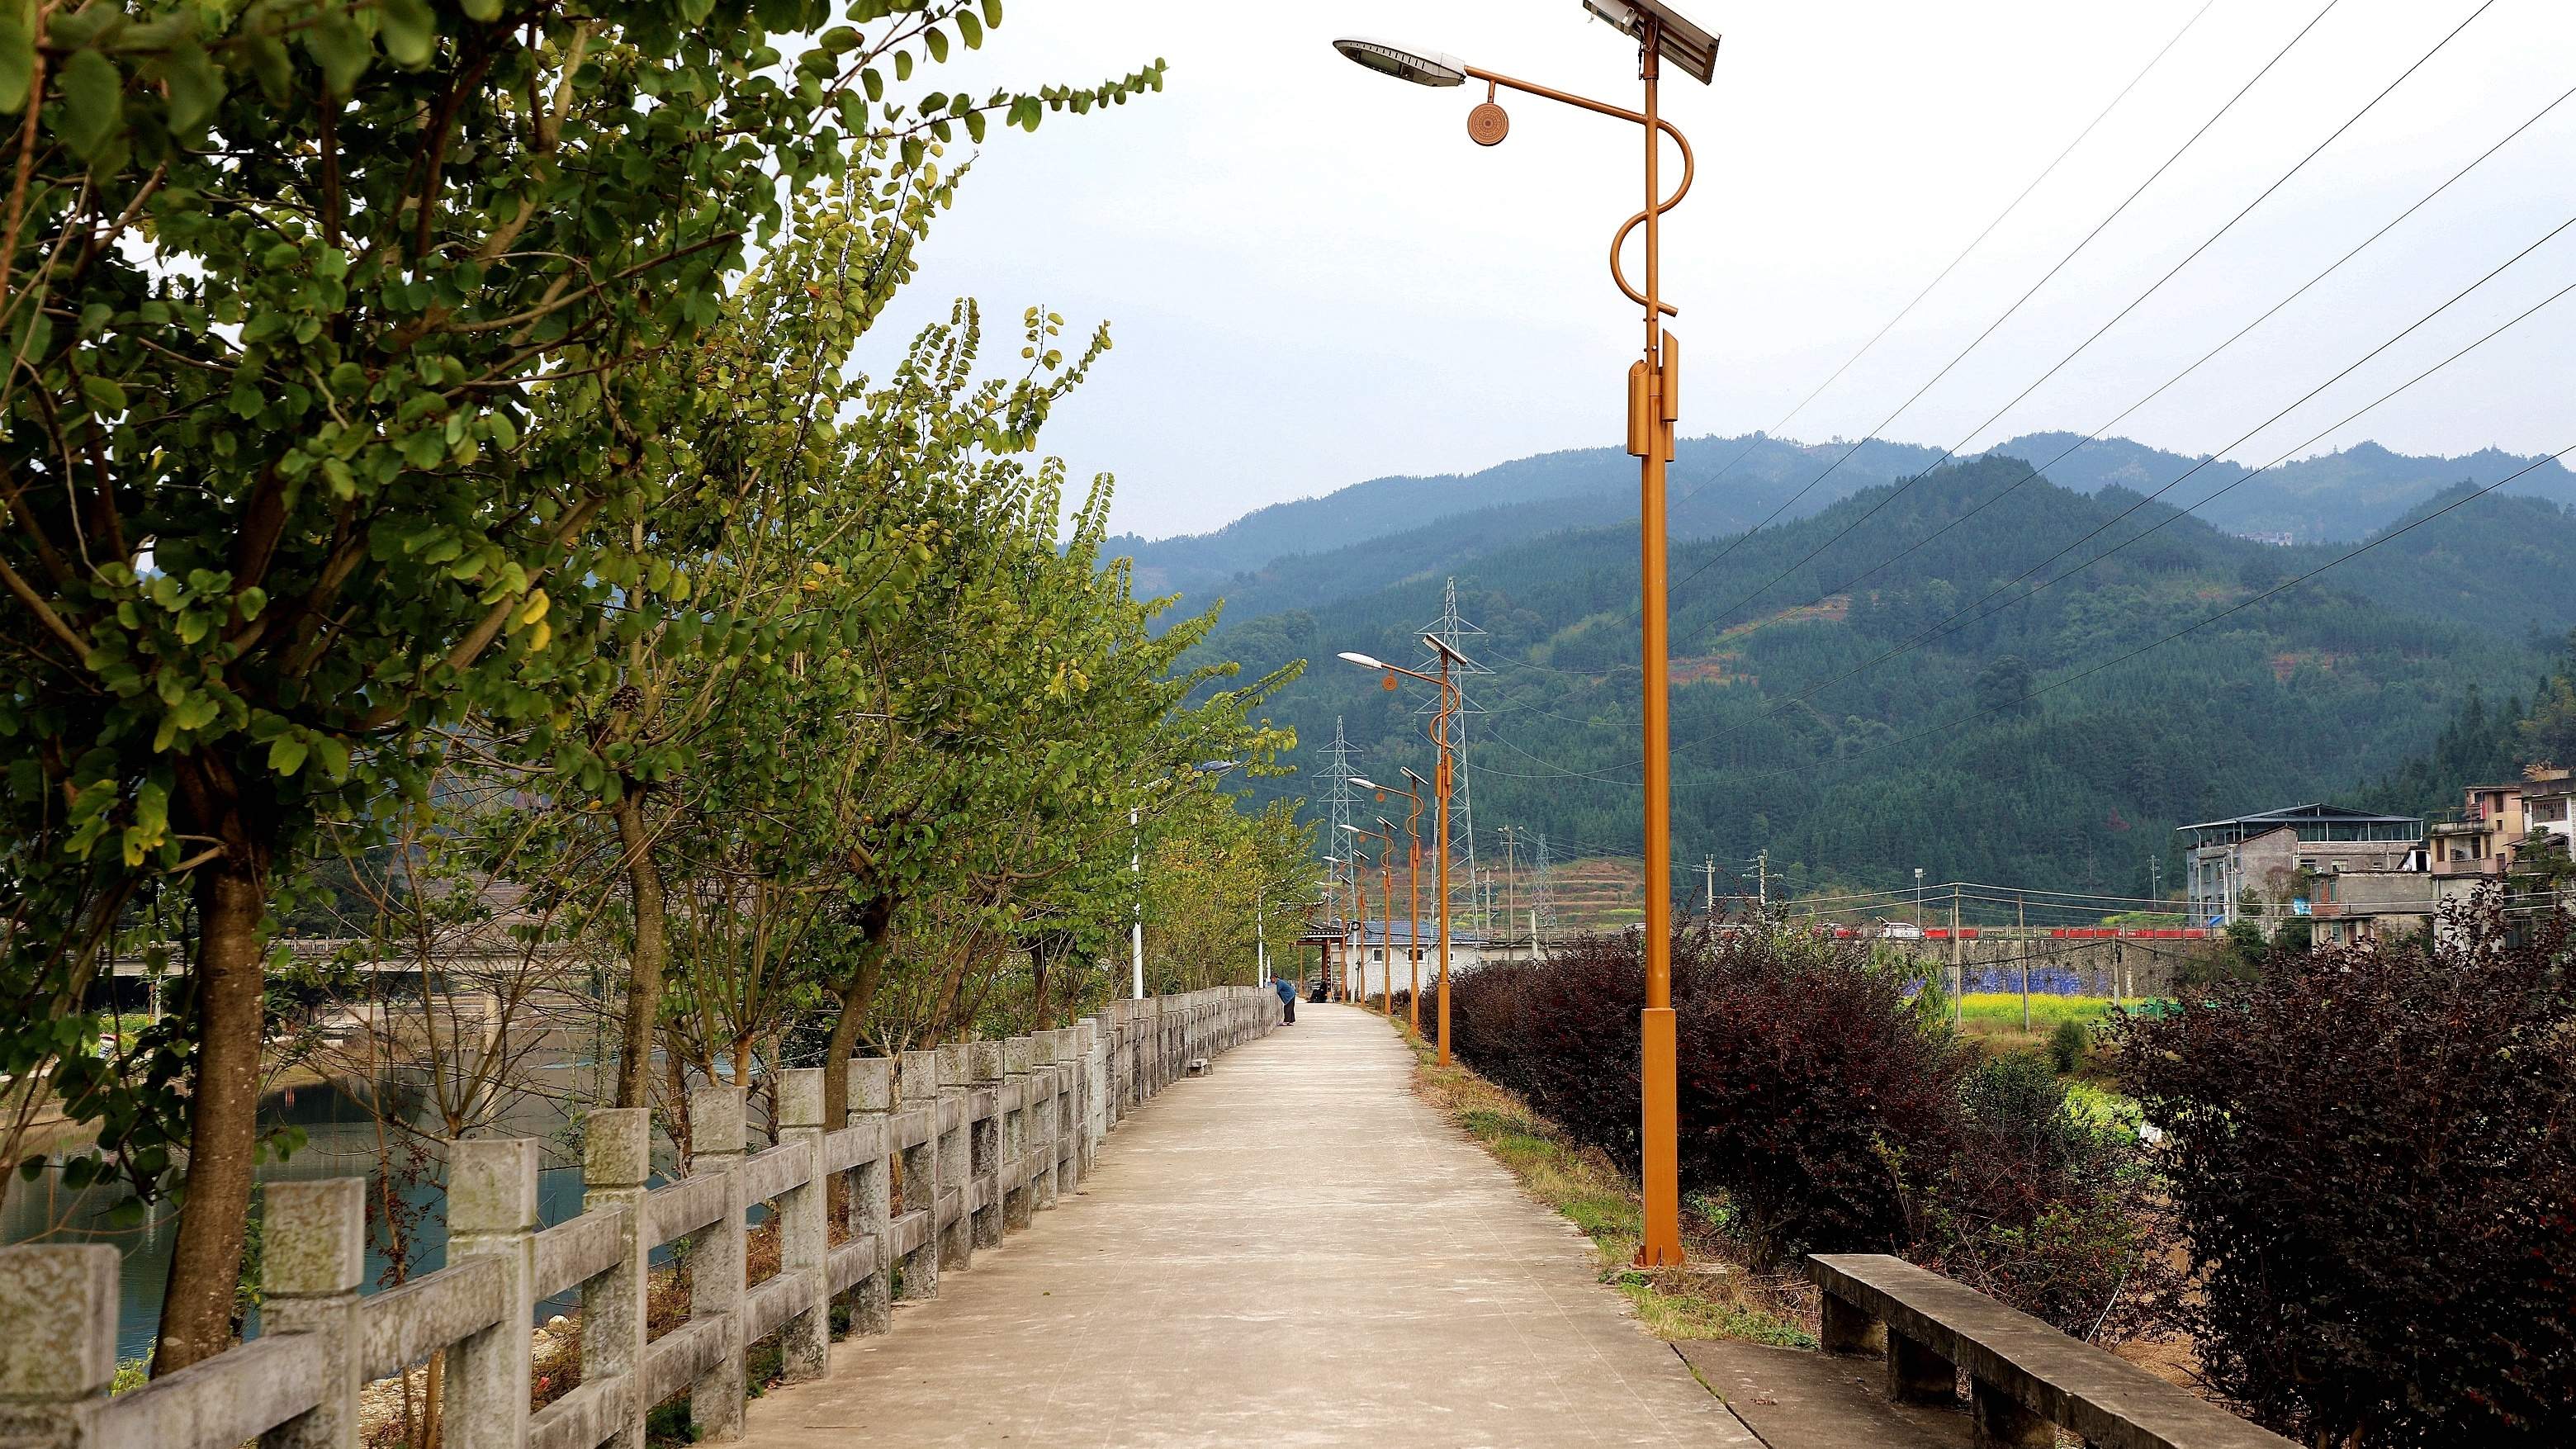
{"points": [[1582, 1185]]}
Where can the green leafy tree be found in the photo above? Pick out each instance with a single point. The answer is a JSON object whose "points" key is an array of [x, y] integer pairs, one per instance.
{"points": [[328, 328]]}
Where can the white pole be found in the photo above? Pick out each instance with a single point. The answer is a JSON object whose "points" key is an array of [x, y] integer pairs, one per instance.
{"points": [[1260, 942], [1136, 867]]}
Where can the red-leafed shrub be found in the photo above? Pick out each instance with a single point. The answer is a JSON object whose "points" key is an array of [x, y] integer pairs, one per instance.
{"points": [[2372, 1152], [1828, 1111], [1811, 1094]]}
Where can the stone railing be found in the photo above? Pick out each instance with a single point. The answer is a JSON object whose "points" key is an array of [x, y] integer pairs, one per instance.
{"points": [[2026, 1380], [943, 1157]]}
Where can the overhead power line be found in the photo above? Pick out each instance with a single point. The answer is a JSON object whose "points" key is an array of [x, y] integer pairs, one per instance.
{"points": [[2114, 421], [2046, 277], [1975, 242], [2232, 339], [1961, 617], [2097, 334]]}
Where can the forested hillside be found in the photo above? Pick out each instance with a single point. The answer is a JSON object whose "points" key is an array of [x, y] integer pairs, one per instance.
{"points": [[1965, 675]]}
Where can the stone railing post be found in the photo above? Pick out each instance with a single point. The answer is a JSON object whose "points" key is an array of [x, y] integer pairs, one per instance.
{"points": [[984, 1062], [1113, 1065], [59, 1354], [958, 1166], [1123, 1055], [1047, 1134], [313, 1255], [804, 1236], [1019, 1059], [921, 1175], [492, 1213], [1149, 1049], [871, 1201], [1152, 1046], [1091, 1037], [616, 1161], [716, 1288]]}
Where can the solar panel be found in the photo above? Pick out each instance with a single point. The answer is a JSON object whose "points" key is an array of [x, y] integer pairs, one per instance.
{"points": [[1683, 43]]}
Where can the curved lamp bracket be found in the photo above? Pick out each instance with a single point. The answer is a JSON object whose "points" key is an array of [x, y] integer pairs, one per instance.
{"points": [[1493, 79], [1631, 224]]}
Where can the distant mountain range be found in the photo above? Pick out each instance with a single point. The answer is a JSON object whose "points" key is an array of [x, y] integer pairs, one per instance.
{"points": [[1978, 672], [1367, 535]]}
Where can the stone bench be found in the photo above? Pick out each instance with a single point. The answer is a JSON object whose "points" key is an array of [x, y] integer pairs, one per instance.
{"points": [[2026, 1379]]}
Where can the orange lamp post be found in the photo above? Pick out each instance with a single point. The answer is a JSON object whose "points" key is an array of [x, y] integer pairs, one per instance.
{"points": [[1386, 908], [1413, 887], [1654, 405], [1386, 902]]}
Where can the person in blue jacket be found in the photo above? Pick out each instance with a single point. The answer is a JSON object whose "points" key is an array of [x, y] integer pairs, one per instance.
{"points": [[1287, 999]]}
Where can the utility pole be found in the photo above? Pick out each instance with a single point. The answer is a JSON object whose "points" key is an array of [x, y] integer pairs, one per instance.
{"points": [[1544, 894], [2021, 928], [1711, 868], [1136, 868], [1511, 880], [1958, 960], [1762, 879]]}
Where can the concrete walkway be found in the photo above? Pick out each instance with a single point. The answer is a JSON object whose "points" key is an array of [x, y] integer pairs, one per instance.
{"points": [[1293, 1251]]}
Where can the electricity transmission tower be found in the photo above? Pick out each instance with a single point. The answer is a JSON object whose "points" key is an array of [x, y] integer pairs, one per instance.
{"points": [[1340, 801], [1451, 630]]}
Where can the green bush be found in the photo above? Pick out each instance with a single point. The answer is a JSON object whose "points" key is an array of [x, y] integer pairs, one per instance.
{"points": [[2067, 1046]]}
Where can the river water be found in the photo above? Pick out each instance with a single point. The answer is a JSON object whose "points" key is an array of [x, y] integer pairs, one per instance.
{"points": [[341, 1140]]}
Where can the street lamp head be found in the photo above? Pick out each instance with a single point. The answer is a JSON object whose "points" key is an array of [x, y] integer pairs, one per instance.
{"points": [[1676, 39], [1434, 69], [1364, 661], [1365, 783]]}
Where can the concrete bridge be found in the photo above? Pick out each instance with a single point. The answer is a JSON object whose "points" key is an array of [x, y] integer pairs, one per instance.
{"points": [[1172, 1225]]}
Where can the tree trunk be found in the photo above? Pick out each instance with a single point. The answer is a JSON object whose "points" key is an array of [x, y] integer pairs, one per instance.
{"points": [[644, 966], [876, 922], [223, 1107]]}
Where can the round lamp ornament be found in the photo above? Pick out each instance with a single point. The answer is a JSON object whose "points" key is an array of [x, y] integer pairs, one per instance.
{"points": [[1487, 125]]}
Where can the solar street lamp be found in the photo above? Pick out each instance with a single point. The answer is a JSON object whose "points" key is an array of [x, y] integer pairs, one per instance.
{"points": [[1413, 883], [1385, 870], [1443, 774], [1654, 406]]}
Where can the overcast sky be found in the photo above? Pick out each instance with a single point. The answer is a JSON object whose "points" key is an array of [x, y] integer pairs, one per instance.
{"points": [[1314, 278]]}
